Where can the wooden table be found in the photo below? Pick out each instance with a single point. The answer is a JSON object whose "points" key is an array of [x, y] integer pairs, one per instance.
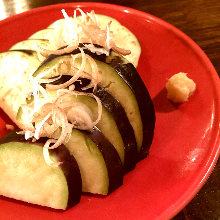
{"points": [[199, 19]]}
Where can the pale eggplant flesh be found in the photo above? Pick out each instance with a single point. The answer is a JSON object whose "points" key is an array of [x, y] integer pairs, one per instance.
{"points": [[112, 160], [132, 78], [115, 108], [68, 172], [130, 75]]}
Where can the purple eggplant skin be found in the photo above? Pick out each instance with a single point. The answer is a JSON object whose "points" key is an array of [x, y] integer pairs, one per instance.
{"points": [[111, 157], [132, 78], [101, 57], [117, 111], [123, 124], [130, 75], [69, 166]]}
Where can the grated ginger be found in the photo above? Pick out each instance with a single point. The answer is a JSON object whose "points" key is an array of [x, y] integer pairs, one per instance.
{"points": [[180, 88]]}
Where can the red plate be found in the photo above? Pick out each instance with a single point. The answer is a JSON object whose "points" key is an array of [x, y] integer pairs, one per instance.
{"points": [[186, 142]]}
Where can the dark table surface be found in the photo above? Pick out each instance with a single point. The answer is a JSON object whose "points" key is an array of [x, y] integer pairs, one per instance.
{"points": [[199, 19]]}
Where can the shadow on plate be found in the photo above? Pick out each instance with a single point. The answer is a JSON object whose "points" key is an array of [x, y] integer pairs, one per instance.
{"points": [[162, 104]]}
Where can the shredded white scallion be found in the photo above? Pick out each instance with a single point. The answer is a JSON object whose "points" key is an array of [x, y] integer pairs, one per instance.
{"points": [[40, 125], [48, 114], [48, 159]]}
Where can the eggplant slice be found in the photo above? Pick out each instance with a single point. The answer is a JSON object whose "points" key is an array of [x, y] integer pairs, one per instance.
{"points": [[92, 161], [100, 166], [120, 117], [26, 176], [112, 160], [132, 79]]}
